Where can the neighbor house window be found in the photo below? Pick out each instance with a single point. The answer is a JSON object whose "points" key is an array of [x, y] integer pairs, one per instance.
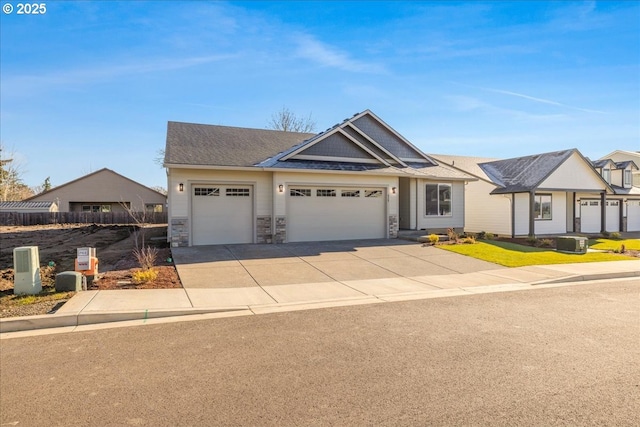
{"points": [[606, 174], [627, 177], [542, 206], [438, 202], [96, 208], [153, 208]]}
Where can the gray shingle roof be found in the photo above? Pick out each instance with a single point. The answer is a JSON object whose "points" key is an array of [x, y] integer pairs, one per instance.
{"points": [[22, 205], [523, 173], [212, 145]]}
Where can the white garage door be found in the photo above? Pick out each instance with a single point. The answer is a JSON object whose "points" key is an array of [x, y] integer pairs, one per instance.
{"points": [[590, 216], [633, 215], [613, 215], [221, 214], [335, 213]]}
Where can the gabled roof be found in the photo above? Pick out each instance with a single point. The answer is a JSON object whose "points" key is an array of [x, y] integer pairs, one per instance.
{"points": [[212, 145], [100, 171], [603, 163], [523, 174], [624, 165], [365, 138], [467, 164]]}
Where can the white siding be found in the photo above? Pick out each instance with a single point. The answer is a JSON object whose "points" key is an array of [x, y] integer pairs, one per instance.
{"points": [[573, 174], [486, 212], [522, 214], [556, 225]]}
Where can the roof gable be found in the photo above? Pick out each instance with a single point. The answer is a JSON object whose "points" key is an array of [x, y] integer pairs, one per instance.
{"points": [[576, 174], [369, 134], [528, 173]]}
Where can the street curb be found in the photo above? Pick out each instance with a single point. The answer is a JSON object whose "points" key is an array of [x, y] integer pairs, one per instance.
{"points": [[77, 317]]}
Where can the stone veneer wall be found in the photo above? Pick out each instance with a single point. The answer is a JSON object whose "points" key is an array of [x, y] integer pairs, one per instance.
{"points": [[263, 229], [576, 225], [393, 226], [179, 232], [280, 236], [624, 224]]}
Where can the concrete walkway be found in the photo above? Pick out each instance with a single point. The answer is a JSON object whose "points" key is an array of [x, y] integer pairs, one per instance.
{"points": [[252, 279]]}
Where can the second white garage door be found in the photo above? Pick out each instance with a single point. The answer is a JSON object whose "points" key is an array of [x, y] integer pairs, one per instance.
{"points": [[335, 213], [633, 215], [590, 214], [221, 214]]}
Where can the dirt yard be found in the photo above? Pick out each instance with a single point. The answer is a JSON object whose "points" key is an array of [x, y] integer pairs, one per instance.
{"points": [[57, 246]]}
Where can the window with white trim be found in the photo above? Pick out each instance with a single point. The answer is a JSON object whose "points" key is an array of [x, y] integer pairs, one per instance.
{"points": [[350, 193], [237, 192], [300, 192], [206, 191], [606, 174], [325, 193], [438, 200], [542, 206], [627, 177]]}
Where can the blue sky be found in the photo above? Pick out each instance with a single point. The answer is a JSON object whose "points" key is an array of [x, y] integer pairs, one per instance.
{"points": [[89, 85]]}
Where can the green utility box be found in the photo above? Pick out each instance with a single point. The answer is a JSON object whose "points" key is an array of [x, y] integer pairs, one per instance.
{"points": [[572, 244], [69, 281]]}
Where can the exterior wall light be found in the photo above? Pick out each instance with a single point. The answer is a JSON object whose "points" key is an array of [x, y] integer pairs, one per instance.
{"points": [[393, 190], [281, 188], [181, 187]]}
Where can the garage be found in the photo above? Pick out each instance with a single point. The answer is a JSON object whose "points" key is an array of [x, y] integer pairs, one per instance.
{"points": [[336, 213], [590, 216], [221, 214], [633, 215]]}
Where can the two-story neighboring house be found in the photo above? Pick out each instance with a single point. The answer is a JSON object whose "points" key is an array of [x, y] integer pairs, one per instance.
{"points": [[623, 205]]}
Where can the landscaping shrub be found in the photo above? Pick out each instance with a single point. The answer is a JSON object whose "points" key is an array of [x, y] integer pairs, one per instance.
{"points": [[489, 236], [532, 240], [143, 276], [545, 243], [615, 235], [146, 257], [453, 236], [433, 239], [481, 235], [469, 240]]}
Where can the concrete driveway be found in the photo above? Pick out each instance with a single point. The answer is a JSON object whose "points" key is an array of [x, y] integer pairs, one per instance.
{"points": [[298, 272]]}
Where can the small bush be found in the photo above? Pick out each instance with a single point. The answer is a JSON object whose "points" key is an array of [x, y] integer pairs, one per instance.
{"points": [[433, 239], [545, 243], [453, 236], [146, 257], [605, 234], [489, 236], [481, 235], [469, 240], [144, 276], [615, 235], [532, 240], [622, 249]]}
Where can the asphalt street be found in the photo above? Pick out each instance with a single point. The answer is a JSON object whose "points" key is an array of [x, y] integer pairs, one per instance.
{"points": [[558, 356]]}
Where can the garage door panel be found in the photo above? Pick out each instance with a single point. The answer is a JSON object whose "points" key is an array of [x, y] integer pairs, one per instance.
{"points": [[222, 214], [633, 215], [590, 216], [333, 213]]}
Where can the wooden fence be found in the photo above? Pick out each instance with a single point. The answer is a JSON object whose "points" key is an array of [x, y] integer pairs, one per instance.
{"points": [[44, 218]]}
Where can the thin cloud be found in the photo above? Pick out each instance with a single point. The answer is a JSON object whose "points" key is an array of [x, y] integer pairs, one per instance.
{"points": [[533, 98], [328, 56]]}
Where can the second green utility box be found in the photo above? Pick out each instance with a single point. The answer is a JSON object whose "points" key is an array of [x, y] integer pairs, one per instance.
{"points": [[572, 244]]}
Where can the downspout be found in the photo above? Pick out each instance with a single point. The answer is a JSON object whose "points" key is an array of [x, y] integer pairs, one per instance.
{"points": [[603, 212], [416, 199], [532, 223], [513, 215]]}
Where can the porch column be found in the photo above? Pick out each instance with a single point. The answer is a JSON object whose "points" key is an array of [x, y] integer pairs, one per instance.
{"points": [[532, 221], [513, 215], [603, 212]]}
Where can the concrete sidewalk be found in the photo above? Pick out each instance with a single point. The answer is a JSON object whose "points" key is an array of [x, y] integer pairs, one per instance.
{"points": [[140, 306]]}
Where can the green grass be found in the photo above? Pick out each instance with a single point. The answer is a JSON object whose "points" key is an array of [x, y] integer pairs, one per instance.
{"points": [[612, 244], [513, 255]]}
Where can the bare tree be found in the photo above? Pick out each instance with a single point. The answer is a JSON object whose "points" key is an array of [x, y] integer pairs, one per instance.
{"points": [[288, 121], [11, 186]]}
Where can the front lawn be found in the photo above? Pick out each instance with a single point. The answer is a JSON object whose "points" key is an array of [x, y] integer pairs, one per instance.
{"points": [[513, 255], [612, 245]]}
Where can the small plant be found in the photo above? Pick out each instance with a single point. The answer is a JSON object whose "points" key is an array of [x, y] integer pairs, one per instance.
{"points": [[545, 243], [26, 300], [469, 240], [481, 235], [146, 257], [532, 240], [453, 236], [144, 276], [489, 236], [605, 234], [615, 235], [622, 249], [434, 239]]}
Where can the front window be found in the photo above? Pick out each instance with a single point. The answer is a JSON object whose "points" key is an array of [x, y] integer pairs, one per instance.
{"points": [[606, 174], [627, 178], [542, 206], [438, 201]]}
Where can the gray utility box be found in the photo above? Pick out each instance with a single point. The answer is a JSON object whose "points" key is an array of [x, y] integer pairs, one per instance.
{"points": [[69, 281], [572, 244]]}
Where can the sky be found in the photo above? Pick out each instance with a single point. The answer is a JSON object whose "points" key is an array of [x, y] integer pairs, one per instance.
{"points": [[88, 85]]}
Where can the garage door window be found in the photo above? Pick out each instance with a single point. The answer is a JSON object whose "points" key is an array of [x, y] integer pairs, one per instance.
{"points": [[372, 193], [206, 191], [237, 192], [350, 193], [300, 192], [325, 193]]}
